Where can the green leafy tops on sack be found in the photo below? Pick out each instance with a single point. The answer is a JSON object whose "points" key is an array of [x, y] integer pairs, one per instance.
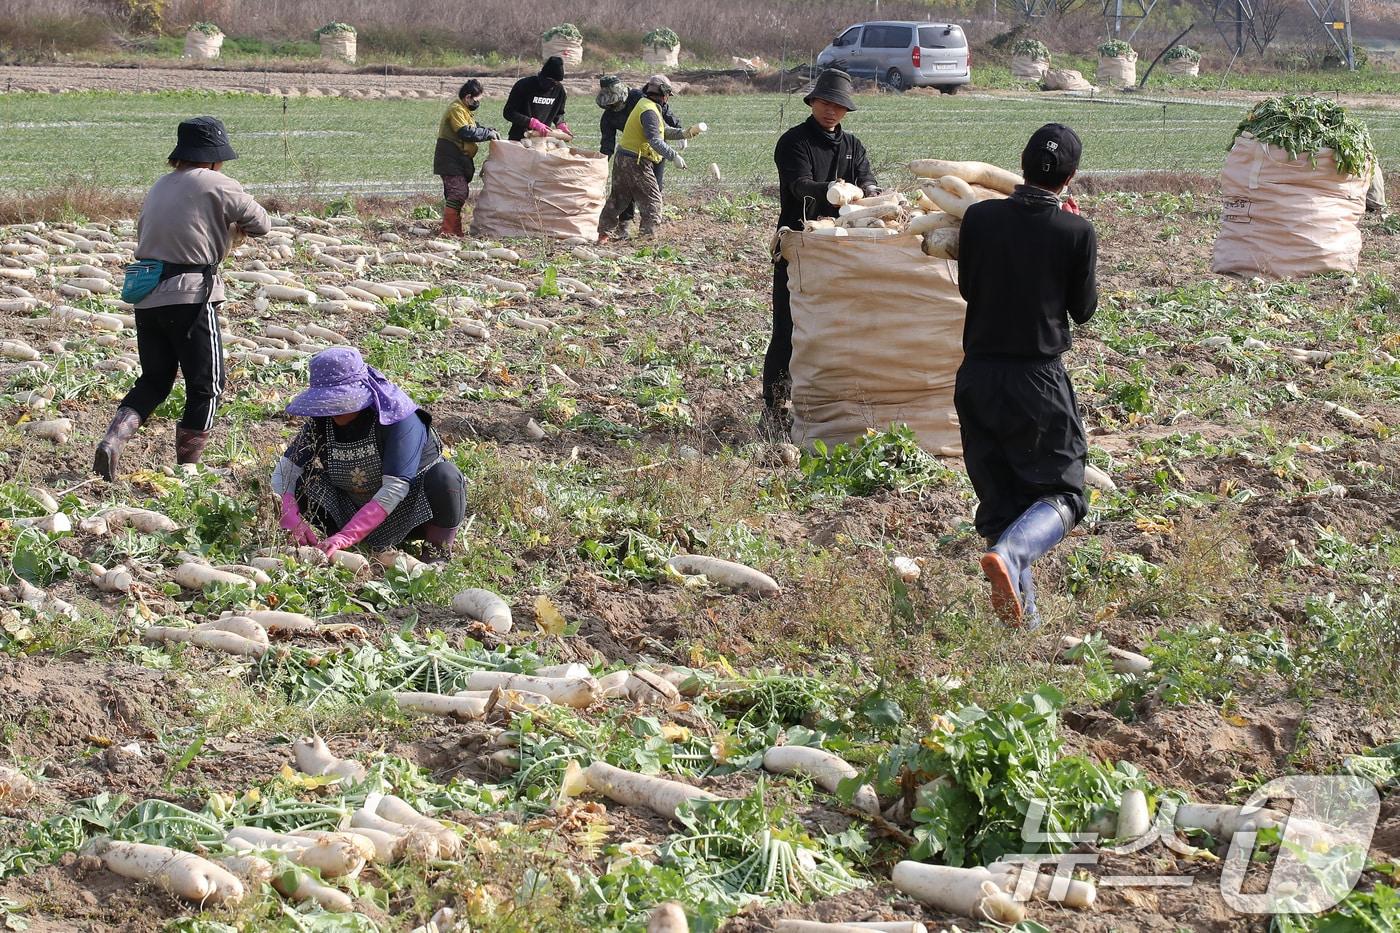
{"points": [[1116, 48], [1181, 53], [562, 31], [207, 29], [335, 27], [661, 38], [1033, 49], [1302, 125]]}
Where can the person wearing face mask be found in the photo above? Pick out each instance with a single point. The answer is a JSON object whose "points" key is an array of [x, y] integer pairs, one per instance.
{"points": [[811, 157], [458, 138], [536, 103]]}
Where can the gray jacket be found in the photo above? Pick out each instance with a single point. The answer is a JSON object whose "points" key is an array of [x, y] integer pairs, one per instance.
{"points": [[189, 217]]}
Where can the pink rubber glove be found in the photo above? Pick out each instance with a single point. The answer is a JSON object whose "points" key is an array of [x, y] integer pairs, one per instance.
{"points": [[537, 127], [563, 127], [1069, 205], [296, 527], [370, 517]]}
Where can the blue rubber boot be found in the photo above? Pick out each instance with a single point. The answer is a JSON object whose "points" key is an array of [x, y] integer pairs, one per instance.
{"points": [[1039, 528], [1030, 615]]}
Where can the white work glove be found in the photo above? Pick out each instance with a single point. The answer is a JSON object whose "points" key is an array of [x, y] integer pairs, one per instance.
{"points": [[679, 161]]}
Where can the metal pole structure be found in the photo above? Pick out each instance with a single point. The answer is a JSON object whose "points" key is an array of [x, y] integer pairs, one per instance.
{"points": [[1239, 27], [1117, 19], [1351, 50]]}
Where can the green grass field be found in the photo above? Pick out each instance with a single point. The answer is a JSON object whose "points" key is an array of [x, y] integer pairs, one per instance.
{"points": [[326, 145]]}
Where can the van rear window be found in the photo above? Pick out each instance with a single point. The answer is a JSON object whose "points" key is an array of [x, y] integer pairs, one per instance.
{"points": [[941, 37]]}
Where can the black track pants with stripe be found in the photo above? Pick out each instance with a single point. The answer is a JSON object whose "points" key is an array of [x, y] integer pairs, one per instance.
{"points": [[184, 339]]}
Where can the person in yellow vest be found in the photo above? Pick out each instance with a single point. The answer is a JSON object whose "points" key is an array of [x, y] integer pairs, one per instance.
{"points": [[457, 139], [642, 148]]}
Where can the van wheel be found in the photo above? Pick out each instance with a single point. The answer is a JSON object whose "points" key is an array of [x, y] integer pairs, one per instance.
{"points": [[949, 88], [895, 80]]}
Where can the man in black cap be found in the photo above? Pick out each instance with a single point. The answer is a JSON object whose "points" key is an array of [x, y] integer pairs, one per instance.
{"points": [[536, 103], [1026, 268], [810, 158], [188, 223]]}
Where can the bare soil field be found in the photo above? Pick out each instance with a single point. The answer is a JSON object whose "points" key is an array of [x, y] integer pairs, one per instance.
{"points": [[607, 420]]}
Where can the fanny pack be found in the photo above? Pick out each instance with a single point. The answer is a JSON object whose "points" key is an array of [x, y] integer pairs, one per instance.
{"points": [[143, 275]]}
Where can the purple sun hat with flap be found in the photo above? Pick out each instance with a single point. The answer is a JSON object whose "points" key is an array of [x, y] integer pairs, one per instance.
{"points": [[342, 383]]}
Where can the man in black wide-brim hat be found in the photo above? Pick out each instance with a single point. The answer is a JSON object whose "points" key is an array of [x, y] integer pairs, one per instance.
{"points": [[810, 158]]}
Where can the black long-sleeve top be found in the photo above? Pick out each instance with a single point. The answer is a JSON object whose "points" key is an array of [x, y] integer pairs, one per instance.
{"points": [[808, 159], [1026, 268], [534, 96], [614, 121]]}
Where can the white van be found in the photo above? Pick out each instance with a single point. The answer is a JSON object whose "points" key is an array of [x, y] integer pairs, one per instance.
{"points": [[903, 54]]}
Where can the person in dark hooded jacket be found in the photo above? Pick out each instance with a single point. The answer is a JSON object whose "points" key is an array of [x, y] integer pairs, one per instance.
{"points": [[536, 103]]}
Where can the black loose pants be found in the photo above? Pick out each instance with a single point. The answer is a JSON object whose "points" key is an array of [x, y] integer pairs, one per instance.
{"points": [[1022, 438], [779, 355], [183, 339]]}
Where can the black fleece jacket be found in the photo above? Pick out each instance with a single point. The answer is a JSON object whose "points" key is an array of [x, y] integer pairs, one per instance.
{"points": [[1026, 268], [615, 121], [535, 96], [808, 159]]}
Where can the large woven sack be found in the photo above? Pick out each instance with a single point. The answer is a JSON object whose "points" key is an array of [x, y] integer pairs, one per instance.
{"points": [[1117, 71], [1286, 217], [876, 339], [1375, 191], [202, 47], [1025, 68], [1183, 66], [661, 55], [338, 45], [571, 50], [538, 192], [1065, 79]]}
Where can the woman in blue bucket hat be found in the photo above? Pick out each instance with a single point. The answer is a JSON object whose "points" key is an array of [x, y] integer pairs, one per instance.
{"points": [[367, 467]]}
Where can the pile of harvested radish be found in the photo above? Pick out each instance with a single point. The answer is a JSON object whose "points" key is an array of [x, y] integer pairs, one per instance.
{"points": [[946, 190]]}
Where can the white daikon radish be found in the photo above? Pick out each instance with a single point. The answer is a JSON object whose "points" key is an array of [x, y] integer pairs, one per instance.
{"points": [[194, 576], [17, 350], [332, 854], [1097, 478], [116, 580], [1024, 881], [313, 757], [816, 926], [578, 692], [936, 220], [1123, 662], [825, 769], [485, 607], [58, 430], [562, 670], [249, 869], [840, 193], [255, 278], [1222, 821], [952, 195], [288, 293], [278, 623], [324, 333], [241, 626], [942, 243], [614, 684], [54, 524], [968, 892], [907, 568], [440, 704], [181, 873], [387, 848], [644, 686], [43, 498], [503, 285], [888, 926], [394, 808], [668, 918], [975, 173], [1133, 819], [725, 573], [628, 788], [306, 888], [246, 570]]}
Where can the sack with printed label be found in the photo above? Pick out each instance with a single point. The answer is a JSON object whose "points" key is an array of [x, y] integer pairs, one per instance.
{"points": [[1285, 217]]}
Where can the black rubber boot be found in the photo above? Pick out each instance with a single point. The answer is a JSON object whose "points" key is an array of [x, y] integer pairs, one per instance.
{"points": [[106, 463], [1039, 528], [189, 445]]}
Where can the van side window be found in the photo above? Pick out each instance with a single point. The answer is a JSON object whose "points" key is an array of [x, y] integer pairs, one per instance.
{"points": [[888, 37], [848, 38]]}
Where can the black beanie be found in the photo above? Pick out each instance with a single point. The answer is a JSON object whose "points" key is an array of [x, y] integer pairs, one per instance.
{"points": [[553, 68]]}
